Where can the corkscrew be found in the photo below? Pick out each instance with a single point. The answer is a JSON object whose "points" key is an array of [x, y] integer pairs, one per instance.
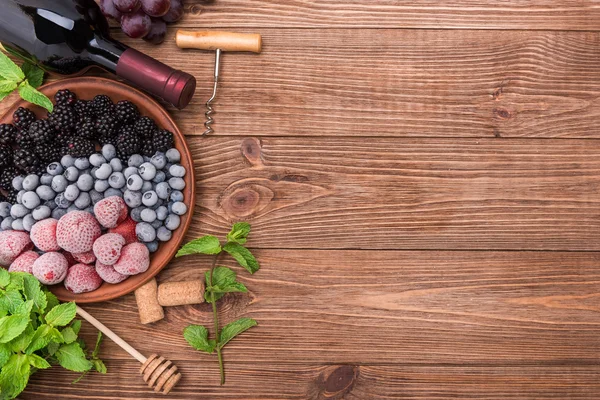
{"points": [[218, 42]]}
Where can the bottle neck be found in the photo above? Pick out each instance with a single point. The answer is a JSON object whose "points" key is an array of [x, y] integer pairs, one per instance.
{"points": [[105, 52]]}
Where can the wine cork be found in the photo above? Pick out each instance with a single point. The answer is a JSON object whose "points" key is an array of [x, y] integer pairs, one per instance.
{"points": [[147, 302], [181, 293]]}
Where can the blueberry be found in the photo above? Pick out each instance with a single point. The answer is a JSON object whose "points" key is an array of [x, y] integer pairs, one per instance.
{"points": [[163, 234], [172, 222], [163, 190], [17, 224], [95, 196], [72, 207], [176, 195], [41, 212], [160, 177], [156, 224], [147, 186], [46, 179], [72, 173], [132, 199], [61, 202], [28, 222], [145, 232], [101, 185], [31, 200], [85, 182], [71, 192], [57, 213], [5, 209], [17, 182], [109, 152], [20, 196], [161, 213], [147, 171], [90, 209], [59, 183], [173, 155], [147, 159], [135, 160], [104, 171], [177, 183], [67, 161], [116, 180], [149, 198], [82, 163], [93, 172], [159, 160], [136, 214], [113, 192], [135, 182], [51, 204], [152, 246], [148, 215], [97, 159], [116, 165], [130, 171], [31, 182], [83, 201], [7, 224], [177, 171], [179, 208], [45, 192]]}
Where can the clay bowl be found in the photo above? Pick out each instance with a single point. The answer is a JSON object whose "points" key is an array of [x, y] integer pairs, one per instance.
{"points": [[86, 88]]}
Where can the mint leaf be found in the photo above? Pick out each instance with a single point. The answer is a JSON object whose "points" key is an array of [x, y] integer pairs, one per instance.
{"points": [[97, 347], [52, 348], [233, 329], [69, 335], [24, 308], [205, 245], [99, 366], [224, 281], [14, 376], [61, 314], [9, 69], [76, 326], [7, 86], [33, 73], [20, 343], [51, 299], [30, 94], [197, 337], [242, 256], [239, 233], [5, 354], [16, 280], [33, 292], [70, 356], [12, 326], [43, 335], [37, 361], [4, 275], [10, 300]]}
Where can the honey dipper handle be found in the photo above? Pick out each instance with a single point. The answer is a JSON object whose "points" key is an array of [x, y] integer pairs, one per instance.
{"points": [[226, 41], [113, 336]]}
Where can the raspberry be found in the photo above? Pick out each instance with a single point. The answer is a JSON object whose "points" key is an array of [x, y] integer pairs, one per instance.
{"points": [[127, 230], [50, 268], [135, 259], [65, 96], [109, 274], [111, 211], [43, 235], [12, 244], [23, 117], [85, 258], [107, 248], [8, 133], [24, 263], [82, 278], [77, 231]]}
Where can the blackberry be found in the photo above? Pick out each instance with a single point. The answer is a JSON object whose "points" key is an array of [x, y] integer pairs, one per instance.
{"points": [[6, 177], [162, 140], [26, 160], [23, 117], [24, 140], [145, 127], [65, 96], [147, 148], [48, 153], [64, 118], [86, 128], [8, 133], [79, 147], [126, 111], [102, 105], [128, 142], [83, 108], [11, 196], [6, 155], [107, 125], [41, 131]]}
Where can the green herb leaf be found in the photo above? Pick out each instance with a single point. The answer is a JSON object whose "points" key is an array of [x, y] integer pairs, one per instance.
{"points": [[5, 354], [30, 94], [224, 281], [233, 329], [97, 347], [16, 280], [12, 326], [38, 362], [52, 348], [99, 366], [4, 275], [20, 343], [69, 335], [62, 314], [33, 73], [10, 300], [239, 233], [205, 245], [242, 256], [43, 335], [14, 376], [10, 70], [33, 292], [7, 86], [197, 337], [51, 299], [76, 326], [72, 357], [24, 308]]}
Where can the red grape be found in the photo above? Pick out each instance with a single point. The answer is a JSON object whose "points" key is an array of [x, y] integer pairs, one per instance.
{"points": [[175, 12], [158, 31], [136, 25], [109, 10], [127, 6], [156, 8]]}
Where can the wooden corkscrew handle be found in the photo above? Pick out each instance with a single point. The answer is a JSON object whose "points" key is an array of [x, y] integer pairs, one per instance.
{"points": [[213, 40]]}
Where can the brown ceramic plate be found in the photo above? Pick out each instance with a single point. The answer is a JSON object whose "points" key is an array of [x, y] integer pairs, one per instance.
{"points": [[86, 88]]}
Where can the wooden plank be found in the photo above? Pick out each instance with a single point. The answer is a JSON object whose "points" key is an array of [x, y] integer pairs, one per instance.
{"points": [[279, 380], [380, 193], [436, 14]]}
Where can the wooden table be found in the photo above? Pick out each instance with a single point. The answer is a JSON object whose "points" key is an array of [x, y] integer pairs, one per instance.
{"points": [[422, 178]]}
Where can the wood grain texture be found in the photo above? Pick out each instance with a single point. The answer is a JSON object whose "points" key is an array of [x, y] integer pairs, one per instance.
{"points": [[417, 324]]}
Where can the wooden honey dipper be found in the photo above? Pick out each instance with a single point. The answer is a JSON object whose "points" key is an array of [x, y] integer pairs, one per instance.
{"points": [[158, 372]]}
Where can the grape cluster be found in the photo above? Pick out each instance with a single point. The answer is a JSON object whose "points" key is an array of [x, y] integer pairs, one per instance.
{"points": [[145, 19]]}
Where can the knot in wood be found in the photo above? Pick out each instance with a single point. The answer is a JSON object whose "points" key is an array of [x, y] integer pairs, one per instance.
{"points": [[251, 150], [243, 199], [336, 381]]}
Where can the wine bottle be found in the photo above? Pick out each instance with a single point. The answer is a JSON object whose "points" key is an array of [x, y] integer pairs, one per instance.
{"points": [[68, 37]]}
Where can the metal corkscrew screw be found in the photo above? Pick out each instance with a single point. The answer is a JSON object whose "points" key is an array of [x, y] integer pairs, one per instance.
{"points": [[219, 42]]}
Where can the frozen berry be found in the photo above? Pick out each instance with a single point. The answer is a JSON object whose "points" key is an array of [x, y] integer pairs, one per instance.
{"points": [[163, 190], [177, 183], [30, 182], [135, 160], [172, 222], [43, 235], [135, 182], [179, 208], [177, 171], [71, 192], [101, 185], [50, 268], [17, 182], [127, 230], [109, 274], [135, 259], [111, 211], [145, 232], [104, 171], [18, 211], [41, 212], [132, 199], [83, 201], [148, 215], [77, 231], [24, 263], [97, 159], [31, 200], [82, 278], [12, 244], [85, 258], [107, 248], [72, 174], [163, 234], [85, 182], [82, 163], [28, 222], [59, 183], [150, 198], [116, 180], [147, 171], [108, 152]]}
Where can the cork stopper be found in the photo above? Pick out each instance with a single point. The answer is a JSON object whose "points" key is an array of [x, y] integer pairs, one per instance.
{"points": [[147, 301], [180, 293], [160, 374]]}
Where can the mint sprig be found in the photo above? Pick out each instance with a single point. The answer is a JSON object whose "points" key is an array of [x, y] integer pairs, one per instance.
{"points": [[25, 80], [220, 281]]}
